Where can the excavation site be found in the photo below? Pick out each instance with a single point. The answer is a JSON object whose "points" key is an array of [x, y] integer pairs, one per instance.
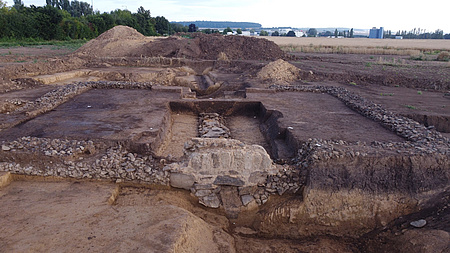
{"points": [[211, 143]]}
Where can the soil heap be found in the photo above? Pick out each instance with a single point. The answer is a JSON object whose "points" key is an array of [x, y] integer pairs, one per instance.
{"points": [[210, 47], [119, 41], [123, 41], [280, 72]]}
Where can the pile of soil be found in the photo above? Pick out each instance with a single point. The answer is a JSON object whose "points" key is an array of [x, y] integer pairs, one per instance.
{"points": [[239, 48], [279, 72], [123, 41], [119, 41], [214, 46]]}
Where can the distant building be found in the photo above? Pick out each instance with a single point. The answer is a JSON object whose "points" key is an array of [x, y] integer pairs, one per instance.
{"points": [[398, 37], [299, 33], [376, 33]]}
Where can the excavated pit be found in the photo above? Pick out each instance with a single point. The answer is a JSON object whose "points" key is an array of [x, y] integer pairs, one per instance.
{"points": [[439, 122], [248, 121]]}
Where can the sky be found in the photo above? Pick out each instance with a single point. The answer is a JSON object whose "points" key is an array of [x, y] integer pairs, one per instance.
{"points": [[391, 14]]}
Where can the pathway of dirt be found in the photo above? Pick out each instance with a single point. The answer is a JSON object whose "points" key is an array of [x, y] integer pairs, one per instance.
{"points": [[246, 129], [184, 127]]}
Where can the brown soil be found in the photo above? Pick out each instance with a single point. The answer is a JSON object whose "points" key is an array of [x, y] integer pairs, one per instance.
{"points": [[279, 72], [120, 41], [76, 216]]}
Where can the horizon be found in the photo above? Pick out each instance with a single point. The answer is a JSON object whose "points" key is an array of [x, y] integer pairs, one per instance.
{"points": [[289, 13]]}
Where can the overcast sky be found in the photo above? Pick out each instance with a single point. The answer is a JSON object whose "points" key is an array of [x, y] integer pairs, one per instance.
{"points": [[392, 14]]}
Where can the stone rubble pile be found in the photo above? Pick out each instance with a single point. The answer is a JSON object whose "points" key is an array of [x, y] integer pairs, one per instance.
{"points": [[50, 147], [212, 126], [119, 85], [116, 164], [53, 99], [11, 105]]}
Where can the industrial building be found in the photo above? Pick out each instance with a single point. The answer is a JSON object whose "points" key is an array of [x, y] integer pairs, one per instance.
{"points": [[376, 33]]}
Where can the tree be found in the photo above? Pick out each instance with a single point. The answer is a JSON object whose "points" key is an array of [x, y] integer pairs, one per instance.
{"points": [[327, 34], [18, 4], [291, 34], [263, 33], [192, 28], [312, 32], [162, 25], [438, 34], [276, 33], [239, 31], [351, 33], [2, 4], [144, 22], [226, 31], [336, 33]]}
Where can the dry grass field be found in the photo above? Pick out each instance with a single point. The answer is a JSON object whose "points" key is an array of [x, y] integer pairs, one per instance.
{"points": [[361, 45]]}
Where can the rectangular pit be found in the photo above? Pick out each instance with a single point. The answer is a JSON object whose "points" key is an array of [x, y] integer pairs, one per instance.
{"points": [[247, 121], [118, 115], [315, 115]]}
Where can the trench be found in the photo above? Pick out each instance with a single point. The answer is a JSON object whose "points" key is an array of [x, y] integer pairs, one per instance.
{"points": [[440, 122], [248, 121]]}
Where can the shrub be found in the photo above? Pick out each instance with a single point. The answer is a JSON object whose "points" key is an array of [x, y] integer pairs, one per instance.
{"points": [[443, 56]]}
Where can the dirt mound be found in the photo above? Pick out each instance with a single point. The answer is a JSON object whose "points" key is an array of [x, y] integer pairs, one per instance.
{"points": [[120, 32], [119, 41], [122, 41], [279, 71], [212, 47], [239, 48]]}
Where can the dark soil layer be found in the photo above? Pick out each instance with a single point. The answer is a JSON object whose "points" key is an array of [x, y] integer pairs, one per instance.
{"points": [[210, 46], [310, 115], [118, 115]]}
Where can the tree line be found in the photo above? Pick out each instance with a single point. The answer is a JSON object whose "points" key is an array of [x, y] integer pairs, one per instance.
{"points": [[215, 25], [65, 20], [417, 33]]}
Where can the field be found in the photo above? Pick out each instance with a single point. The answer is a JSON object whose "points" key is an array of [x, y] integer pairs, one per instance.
{"points": [[364, 42], [362, 45], [225, 144]]}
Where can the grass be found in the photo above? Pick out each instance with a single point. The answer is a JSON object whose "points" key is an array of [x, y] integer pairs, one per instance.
{"points": [[410, 107], [56, 44], [387, 94]]}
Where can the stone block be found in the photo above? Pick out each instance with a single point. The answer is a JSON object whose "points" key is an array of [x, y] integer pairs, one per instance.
{"points": [[246, 199], [210, 201], [183, 181], [227, 180]]}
